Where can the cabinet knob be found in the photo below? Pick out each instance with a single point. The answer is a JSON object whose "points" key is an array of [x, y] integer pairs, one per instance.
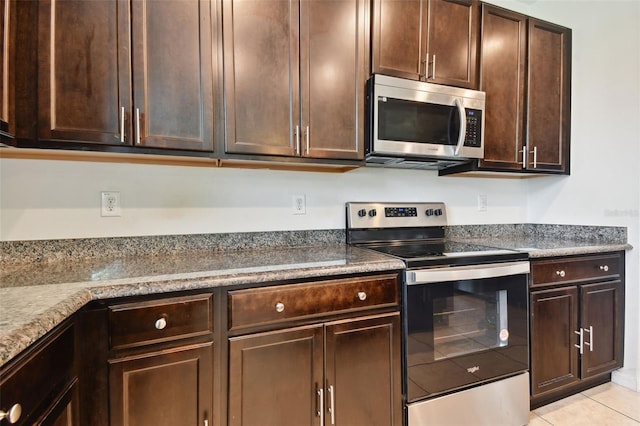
{"points": [[13, 415], [604, 268], [362, 295], [161, 323], [560, 273], [279, 307]]}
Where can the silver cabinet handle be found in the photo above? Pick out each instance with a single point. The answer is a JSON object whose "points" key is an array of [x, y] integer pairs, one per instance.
{"points": [[463, 125], [13, 414], [604, 268], [535, 156], [425, 61], [206, 423], [433, 68], [122, 124], [581, 345], [426, 67], [590, 342], [161, 323], [279, 307], [561, 273], [296, 132], [362, 295], [306, 135], [331, 406], [320, 411], [138, 138]]}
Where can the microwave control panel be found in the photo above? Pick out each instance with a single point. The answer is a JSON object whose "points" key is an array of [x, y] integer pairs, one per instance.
{"points": [[474, 127]]}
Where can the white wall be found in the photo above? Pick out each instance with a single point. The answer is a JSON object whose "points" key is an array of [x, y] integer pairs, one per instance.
{"points": [[48, 199], [57, 199]]}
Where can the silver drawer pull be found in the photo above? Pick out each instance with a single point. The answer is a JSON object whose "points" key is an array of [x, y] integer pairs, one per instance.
{"points": [[13, 415], [161, 323], [604, 268], [560, 273], [362, 295], [279, 307]]}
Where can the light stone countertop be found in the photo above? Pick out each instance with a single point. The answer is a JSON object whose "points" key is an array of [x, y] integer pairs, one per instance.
{"points": [[547, 247], [35, 298]]}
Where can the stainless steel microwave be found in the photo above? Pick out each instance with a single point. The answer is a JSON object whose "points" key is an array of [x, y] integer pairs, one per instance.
{"points": [[413, 124]]}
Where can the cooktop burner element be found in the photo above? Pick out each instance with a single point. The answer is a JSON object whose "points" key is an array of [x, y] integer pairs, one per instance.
{"points": [[415, 233]]}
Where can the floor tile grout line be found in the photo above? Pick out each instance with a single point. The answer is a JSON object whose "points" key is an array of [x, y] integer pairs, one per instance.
{"points": [[543, 419], [610, 408]]}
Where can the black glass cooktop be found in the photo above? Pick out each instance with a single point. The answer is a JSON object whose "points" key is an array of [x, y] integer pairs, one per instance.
{"points": [[425, 253]]}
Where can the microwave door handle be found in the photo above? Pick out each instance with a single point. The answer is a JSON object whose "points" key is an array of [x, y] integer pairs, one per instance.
{"points": [[463, 126]]}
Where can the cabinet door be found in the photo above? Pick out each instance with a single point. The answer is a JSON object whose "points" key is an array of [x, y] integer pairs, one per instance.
{"points": [[334, 69], [452, 42], [602, 320], [554, 320], [83, 75], [262, 87], [502, 77], [169, 388], [173, 74], [64, 410], [274, 378], [399, 38], [5, 29], [549, 97], [363, 374]]}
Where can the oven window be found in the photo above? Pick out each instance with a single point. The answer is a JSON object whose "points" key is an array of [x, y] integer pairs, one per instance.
{"points": [[420, 122], [466, 322]]}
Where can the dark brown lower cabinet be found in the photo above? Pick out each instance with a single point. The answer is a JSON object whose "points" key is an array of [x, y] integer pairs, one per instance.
{"points": [[577, 324], [344, 372], [602, 314], [41, 383], [554, 360], [170, 387], [64, 411]]}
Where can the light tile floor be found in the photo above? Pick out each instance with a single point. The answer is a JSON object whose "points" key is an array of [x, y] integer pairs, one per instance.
{"points": [[605, 405]]}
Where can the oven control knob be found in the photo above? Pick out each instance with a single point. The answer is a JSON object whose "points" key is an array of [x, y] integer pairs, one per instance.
{"points": [[362, 212], [429, 212], [373, 212], [438, 212]]}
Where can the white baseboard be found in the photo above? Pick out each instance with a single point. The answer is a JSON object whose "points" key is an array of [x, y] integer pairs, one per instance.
{"points": [[627, 377]]}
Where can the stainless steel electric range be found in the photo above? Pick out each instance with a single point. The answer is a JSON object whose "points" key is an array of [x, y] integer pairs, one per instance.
{"points": [[465, 317]]}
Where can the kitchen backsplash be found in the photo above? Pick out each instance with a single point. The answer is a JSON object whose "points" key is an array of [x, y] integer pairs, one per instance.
{"points": [[18, 252]]}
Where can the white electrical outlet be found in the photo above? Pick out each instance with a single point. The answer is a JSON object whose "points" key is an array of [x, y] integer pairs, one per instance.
{"points": [[299, 204], [110, 205], [482, 203]]}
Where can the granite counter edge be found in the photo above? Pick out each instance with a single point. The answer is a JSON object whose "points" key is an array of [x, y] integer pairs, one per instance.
{"points": [[18, 339]]}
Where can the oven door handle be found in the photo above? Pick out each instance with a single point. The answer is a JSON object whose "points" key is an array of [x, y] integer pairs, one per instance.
{"points": [[471, 272]]}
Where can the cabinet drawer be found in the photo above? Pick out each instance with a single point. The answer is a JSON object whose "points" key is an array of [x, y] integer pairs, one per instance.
{"points": [[141, 323], [39, 376], [575, 269], [269, 305]]}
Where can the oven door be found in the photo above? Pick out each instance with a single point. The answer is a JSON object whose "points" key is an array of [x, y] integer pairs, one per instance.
{"points": [[464, 326]]}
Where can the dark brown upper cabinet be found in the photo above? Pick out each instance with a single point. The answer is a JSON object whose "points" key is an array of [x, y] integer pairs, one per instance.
{"points": [[502, 77], [7, 32], [525, 70], [548, 118], [127, 72], [429, 40], [295, 73]]}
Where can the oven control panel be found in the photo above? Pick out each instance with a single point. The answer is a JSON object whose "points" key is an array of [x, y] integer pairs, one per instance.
{"points": [[395, 215]]}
